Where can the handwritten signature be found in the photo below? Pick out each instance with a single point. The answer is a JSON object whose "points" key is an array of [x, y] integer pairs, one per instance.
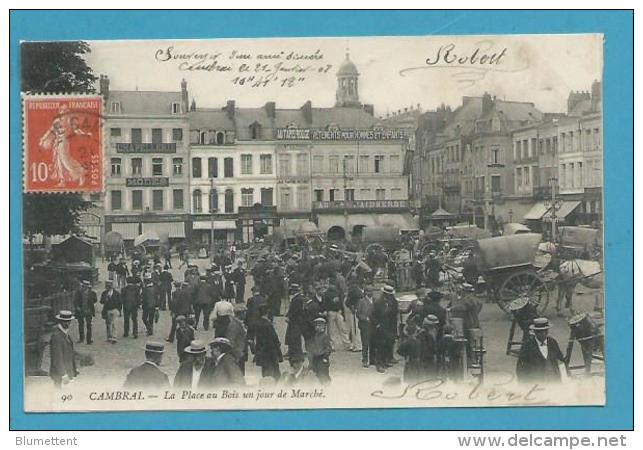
{"points": [[436, 389]]}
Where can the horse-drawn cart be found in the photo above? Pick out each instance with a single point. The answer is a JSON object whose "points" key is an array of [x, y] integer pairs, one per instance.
{"points": [[507, 265]]}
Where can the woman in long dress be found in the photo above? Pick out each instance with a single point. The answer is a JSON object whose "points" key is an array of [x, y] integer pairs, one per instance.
{"points": [[56, 139]]}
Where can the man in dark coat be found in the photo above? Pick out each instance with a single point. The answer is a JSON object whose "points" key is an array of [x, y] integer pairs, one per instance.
{"points": [[84, 304], [430, 354], [193, 373], [319, 350], [410, 349], [226, 370], [385, 311], [312, 309], [148, 301], [252, 314], [112, 308], [148, 375], [228, 326], [131, 296], [267, 346], [165, 279], [63, 361], [364, 314], [184, 335], [295, 319], [181, 305], [239, 278], [539, 356], [203, 303]]}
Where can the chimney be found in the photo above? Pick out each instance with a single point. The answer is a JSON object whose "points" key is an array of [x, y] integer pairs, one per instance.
{"points": [[184, 94], [596, 94], [487, 103], [103, 86], [370, 109], [307, 111], [270, 108], [230, 109]]}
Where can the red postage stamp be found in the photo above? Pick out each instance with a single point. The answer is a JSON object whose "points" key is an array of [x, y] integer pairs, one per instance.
{"points": [[63, 143]]}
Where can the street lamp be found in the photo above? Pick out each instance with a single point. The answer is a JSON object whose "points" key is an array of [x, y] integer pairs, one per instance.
{"points": [[554, 204]]}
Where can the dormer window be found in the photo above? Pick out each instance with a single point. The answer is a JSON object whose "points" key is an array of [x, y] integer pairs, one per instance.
{"points": [[115, 107], [255, 131], [176, 108], [203, 138], [220, 138]]}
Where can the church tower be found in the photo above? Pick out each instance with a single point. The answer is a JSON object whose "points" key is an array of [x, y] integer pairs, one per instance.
{"points": [[347, 86]]}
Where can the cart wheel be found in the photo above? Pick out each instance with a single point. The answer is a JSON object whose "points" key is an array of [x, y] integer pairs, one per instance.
{"points": [[524, 283]]}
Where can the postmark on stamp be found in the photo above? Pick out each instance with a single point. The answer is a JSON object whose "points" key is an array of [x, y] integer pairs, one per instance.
{"points": [[63, 143]]}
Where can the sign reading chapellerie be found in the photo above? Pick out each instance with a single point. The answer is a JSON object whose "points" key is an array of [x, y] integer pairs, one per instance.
{"points": [[308, 134]]}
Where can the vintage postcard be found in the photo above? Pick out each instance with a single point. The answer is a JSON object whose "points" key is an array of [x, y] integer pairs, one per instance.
{"points": [[357, 222]]}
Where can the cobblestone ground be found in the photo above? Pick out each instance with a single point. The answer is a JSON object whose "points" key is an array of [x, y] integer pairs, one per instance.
{"points": [[113, 361]]}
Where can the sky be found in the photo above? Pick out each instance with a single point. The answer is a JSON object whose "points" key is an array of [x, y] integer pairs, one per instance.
{"points": [[395, 72]]}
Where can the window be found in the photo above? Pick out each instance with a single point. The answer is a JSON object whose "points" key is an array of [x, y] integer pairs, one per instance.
{"points": [[349, 195], [580, 174], [137, 200], [137, 166], [177, 134], [255, 131], [116, 200], [247, 196], [220, 138], [157, 167], [213, 200], [364, 161], [284, 199], [548, 145], [246, 164], [116, 167], [157, 200], [157, 135], [303, 197], [115, 132], [266, 164], [177, 167], [115, 107], [333, 164], [229, 200], [526, 172], [380, 194], [213, 167], [318, 163], [495, 155], [396, 194], [176, 108], [203, 138], [228, 168], [331, 194], [196, 167], [302, 164], [364, 194], [349, 163], [588, 140], [597, 139], [379, 164], [532, 148], [137, 136], [519, 177], [517, 150], [319, 195], [197, 207], [177, 199], [525, 149], [394, 162], [266, 196], [284, 165]]}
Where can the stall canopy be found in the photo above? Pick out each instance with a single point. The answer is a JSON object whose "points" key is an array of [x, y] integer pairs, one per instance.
{"points": [[149, 238], [536, 212], [566, 208], [441, 214], [75, 249], [126, 230], [218, 225], [170, 229]]}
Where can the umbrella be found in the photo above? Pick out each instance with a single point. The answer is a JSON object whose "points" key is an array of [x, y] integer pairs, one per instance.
{"points": [[149, 237]]}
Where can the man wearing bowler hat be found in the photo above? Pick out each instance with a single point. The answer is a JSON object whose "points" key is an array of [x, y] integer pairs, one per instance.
{"points": [[539, 355], [385, 311], [226, 370], [84, 303], [149, 375], [131, 295], [63, 362], [192, 369]]}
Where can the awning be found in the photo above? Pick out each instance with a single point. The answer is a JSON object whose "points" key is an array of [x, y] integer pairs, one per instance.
{"points": [[536, 212], [565, 210], [171, 229], [127, 230], [218, 225], [149, 237], [441, 214]]}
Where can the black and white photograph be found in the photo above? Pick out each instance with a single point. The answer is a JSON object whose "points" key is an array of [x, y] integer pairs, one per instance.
{"points": [[305, 223]]}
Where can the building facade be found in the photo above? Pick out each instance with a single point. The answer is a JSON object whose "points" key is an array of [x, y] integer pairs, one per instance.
{"points": [[147, 153]]}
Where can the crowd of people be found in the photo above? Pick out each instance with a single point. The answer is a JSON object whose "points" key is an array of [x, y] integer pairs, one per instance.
{"points": [[333, 300]]}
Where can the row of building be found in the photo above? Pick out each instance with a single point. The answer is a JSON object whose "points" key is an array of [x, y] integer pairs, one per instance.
{"points": [[231, 173], [234, 173]]}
